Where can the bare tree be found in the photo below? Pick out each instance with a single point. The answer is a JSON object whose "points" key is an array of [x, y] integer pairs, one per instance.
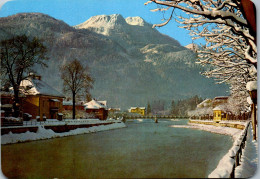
{"points": [[76, 80], [18, 56]]}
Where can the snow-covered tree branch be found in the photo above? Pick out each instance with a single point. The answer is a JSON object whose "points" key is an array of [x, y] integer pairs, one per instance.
{"points": [[229, 30]]}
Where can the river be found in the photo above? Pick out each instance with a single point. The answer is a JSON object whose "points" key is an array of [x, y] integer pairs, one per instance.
{"points": [[142, 150]]}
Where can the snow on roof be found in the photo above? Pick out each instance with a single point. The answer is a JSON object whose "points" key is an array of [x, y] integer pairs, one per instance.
{"points": [[103, 102], [220, 97], [220, 107], [116, 109], [251, 85], [55, 100], [6, 105], [93, 104], [137, 107], [217, 109], [27, 114], [204, 103], [38, 87], [70, 103]]}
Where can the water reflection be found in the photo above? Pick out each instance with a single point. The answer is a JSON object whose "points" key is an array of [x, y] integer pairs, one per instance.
{"points": [[144, 149]]}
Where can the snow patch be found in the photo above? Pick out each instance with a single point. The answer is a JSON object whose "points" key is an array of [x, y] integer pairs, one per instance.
{"points": [[135, 21], [210, 128], [249, 159], [249, 100], [251, 85], [43, 133], [93, 104]]}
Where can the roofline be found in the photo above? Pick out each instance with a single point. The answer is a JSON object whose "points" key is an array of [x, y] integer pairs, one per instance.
{"points": [[45, 95]]}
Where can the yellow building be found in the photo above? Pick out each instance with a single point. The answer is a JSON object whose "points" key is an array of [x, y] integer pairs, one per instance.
{"points": [[138, 110], [219, 114]]}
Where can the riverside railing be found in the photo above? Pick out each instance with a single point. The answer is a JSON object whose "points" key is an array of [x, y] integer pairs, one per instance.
{"points": [[228, 164], [238, 149]]}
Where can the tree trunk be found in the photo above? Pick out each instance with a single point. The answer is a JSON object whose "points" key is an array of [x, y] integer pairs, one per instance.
{"points": [[73, 105], [16, 104], [253, 108]]}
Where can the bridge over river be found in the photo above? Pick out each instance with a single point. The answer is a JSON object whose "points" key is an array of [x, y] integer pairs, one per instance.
{"points": [[156, 117]]}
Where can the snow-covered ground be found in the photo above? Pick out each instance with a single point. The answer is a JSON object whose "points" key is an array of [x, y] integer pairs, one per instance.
{"points": [[43, 133], [214, 129], [249, 160], [222, 122], [66, 122]]}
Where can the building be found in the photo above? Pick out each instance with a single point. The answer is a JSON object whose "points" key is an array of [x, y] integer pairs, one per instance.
{"points": [[98, 108], [41, 100], [219, 100], [219, 114], [220, 108], [68, 105], [6, 103], [203, 110], [114, 110], [138, 110]]}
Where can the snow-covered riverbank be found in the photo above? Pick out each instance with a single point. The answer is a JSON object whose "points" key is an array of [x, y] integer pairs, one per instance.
{"points": [[43, 133], [214, 129], [249, 159]]}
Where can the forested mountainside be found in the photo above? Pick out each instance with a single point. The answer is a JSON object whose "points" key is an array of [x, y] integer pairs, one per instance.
{"points": [[131, 62]]}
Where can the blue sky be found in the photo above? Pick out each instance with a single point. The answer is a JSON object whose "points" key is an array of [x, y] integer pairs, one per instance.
{"points": [[75, 12]]}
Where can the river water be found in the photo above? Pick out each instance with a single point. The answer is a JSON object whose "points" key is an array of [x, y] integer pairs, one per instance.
{"points": [[142, 150]]}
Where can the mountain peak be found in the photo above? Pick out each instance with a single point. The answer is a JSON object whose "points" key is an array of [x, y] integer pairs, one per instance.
{"points": [[136, 21], [114, 19], [25, 16], [107, 21]]}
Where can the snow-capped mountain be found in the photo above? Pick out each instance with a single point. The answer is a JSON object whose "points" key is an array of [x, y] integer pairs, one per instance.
{"points": [[131, 62], [129, 32]]}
